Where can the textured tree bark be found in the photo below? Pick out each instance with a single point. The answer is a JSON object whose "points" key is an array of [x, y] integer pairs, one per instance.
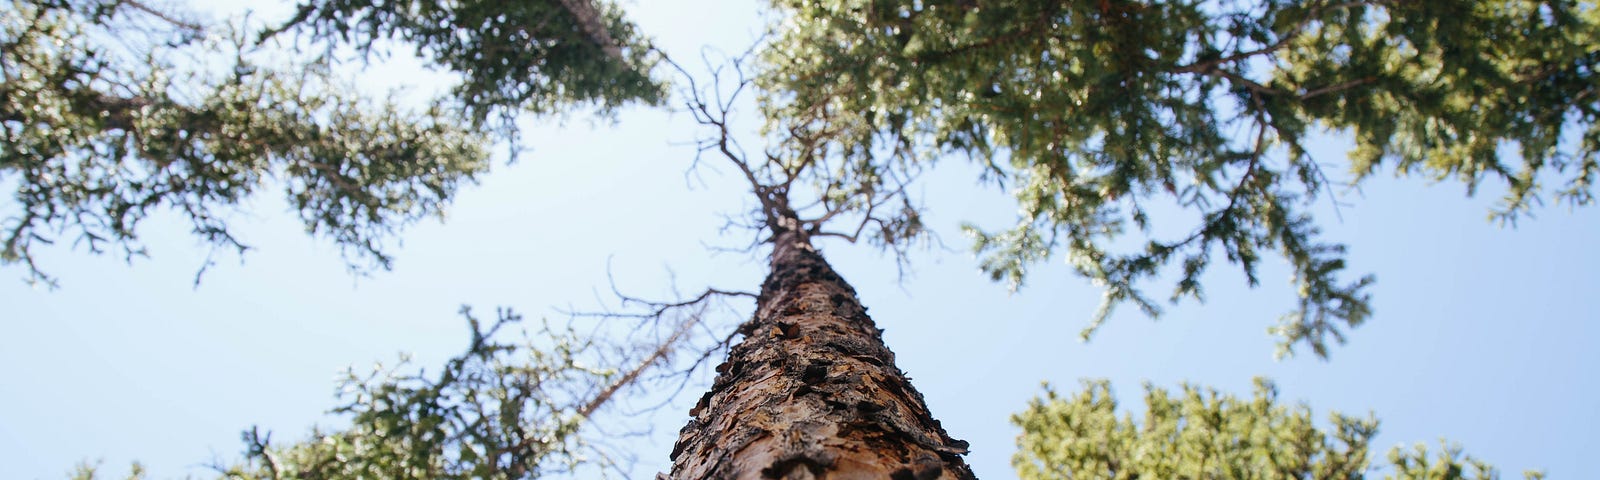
{"points": [[812, 392]]}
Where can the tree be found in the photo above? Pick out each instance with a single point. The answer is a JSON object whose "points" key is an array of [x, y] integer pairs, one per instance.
{"points": [[846, 149], [498, 410], [100, 134], [812, 391], [1201, 433]]}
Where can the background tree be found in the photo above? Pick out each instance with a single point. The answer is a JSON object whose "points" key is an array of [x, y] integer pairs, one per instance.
{"points": [[1201, 433]]}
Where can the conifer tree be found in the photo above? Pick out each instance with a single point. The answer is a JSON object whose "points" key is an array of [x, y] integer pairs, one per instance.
{"points": [[1092, 113]]}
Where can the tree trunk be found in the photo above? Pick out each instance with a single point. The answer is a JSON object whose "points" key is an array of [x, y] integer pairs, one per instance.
{"points": [[812, 392]]}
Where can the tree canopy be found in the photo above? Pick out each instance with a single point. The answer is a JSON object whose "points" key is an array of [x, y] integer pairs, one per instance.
{"points": [[1185, 123], [114, 109], [1137, 137], [1202, 433]]}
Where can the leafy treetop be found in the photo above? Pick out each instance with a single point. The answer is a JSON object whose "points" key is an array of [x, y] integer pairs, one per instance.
{"points": [[1201, 433], [1186, 121]]}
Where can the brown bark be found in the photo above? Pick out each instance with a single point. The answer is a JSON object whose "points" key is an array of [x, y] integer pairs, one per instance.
{"points": [[812, 392]]}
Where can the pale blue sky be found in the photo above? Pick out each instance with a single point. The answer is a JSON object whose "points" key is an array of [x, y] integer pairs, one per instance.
{"points": [[1481, 335]]}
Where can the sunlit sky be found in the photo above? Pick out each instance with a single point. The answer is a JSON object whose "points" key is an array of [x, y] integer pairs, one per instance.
{"points": [[1481, 335]]}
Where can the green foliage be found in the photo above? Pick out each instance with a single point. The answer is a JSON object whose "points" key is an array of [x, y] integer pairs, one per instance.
{"points": [[91, 471], [1111, 117], [113, 110], [1102, 116], [517, 408], [538, 56], [1201, 433], [499, 410]]}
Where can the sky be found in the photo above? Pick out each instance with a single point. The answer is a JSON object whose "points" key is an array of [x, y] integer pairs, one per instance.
{"points": [[1481, 335]]}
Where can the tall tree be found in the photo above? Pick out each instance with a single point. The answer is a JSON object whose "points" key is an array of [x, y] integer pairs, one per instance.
{"points": [[1091, 111], [811, 391]]}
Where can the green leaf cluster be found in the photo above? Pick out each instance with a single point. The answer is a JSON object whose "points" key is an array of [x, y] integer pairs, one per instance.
{"points": [[535, 56], [1183, 123], [499, 410], [1200, 433]]}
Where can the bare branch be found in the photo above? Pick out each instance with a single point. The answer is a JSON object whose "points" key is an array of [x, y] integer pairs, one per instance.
{"points": [[163, 16]]}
